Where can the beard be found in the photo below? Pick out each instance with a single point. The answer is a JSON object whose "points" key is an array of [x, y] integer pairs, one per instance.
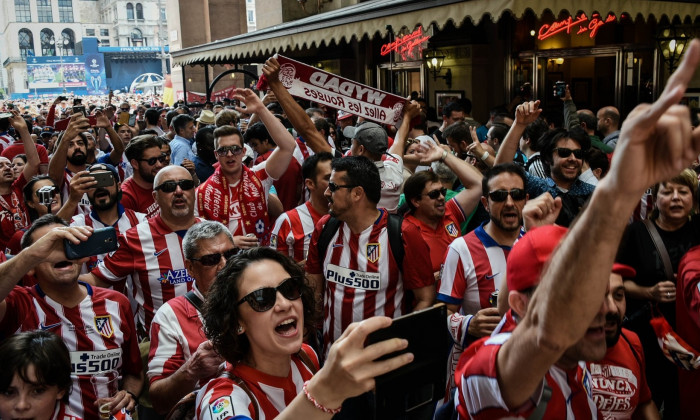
{"points": [[77, 159], [611, 340], [499, 223], [103, 204]]}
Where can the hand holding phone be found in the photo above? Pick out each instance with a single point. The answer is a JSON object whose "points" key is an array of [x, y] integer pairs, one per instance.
{"points": [[102, 241]]}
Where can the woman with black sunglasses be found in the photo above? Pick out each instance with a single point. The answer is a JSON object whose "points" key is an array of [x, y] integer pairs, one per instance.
{"points": [[258, 312]]}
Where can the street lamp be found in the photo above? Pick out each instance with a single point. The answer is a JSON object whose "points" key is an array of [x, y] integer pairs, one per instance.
{"points": [[672, 41], [434, 59], [60, 46]]}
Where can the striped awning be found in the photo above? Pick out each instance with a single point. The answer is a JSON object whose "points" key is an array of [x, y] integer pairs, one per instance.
{"points": [[373, 17]]}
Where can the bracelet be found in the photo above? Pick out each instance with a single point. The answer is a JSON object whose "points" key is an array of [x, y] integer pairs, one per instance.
{"points": [[484, 156], [316, 404], [444, 155], [136, 399]]}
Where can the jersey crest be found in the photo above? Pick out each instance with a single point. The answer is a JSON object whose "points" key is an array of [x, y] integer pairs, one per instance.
{"points": [[452, 230], [222, 408], [373, 252], [103, 325]]}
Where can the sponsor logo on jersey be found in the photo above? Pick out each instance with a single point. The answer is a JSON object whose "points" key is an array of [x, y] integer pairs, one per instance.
{"points": [[353, 278], [373, 252], [491, 277], [157, 254], [222, 408], [48, 327], [103, 325], [452, 230], [95, 362], [176, 277]]}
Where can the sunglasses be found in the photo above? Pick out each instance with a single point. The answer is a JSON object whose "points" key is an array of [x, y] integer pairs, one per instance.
{"points": [[125, 109], [223, 150], [152, 161], [264, 299], [171, 186], [213, 259], [435, 194], [517, 194], [564, 152], [335, 187]]}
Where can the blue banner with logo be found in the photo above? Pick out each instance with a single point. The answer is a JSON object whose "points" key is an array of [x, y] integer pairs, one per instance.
{"points": [[95, 76]]}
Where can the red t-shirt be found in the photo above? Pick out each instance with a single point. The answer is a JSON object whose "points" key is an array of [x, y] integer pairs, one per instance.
{"points": [[12, 215], [138, 199], [288, 186]]}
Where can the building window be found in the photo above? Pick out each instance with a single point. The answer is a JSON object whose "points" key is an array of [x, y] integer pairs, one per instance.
{"points": [[68, 38], [139, 11], [136, 38], [129, 11], [22, 11], [26, 43], [162, 14], [104, 32], [251, 16], [48, 47], [89, 32], [104, 43], [43, 8], [65, 10]]}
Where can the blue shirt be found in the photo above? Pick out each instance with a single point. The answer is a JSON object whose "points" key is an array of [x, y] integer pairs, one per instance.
{"points": [[572, 200], [180, 148]]}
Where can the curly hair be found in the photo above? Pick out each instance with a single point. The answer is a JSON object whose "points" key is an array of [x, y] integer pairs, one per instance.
{"points": [[221, 312]]}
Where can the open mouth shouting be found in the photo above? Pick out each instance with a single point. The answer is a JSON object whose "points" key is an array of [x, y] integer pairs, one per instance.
{"points": [[287, 328]]}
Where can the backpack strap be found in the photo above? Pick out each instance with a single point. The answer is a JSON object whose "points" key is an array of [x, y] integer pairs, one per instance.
{"points": [[327, 232], [307, 361], [245, 389], [661, 248], [634, 352], [395, 239], [195, 301], [541, 408]]}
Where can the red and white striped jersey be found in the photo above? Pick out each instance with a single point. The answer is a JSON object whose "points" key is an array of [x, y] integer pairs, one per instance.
{"points": [[62, 412], [391, 174], [474, 266], [361, 276], [139, 199], [176, 332], [222, 398], [479, 391], [127, 219], [292, 232], [152, 254], [99, 333]]}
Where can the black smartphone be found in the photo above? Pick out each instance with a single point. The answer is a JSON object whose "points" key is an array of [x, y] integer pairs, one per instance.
{"points": [[104, 179], [132, 120], [79, 109], [62, 98], [102, 241], [411, 390], [560, 89]]}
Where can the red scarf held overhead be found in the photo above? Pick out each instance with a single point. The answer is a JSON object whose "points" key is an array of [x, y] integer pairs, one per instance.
{"points": [[214, 203]]}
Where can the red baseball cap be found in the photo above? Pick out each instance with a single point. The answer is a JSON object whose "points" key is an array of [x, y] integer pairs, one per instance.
{"points": [[624, 270], [529, 255]]}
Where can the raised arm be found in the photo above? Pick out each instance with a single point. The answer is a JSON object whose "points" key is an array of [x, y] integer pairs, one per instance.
{"points": [[296, 115], [525, 113], [48, 248], [115, 156], [411, 110], [656, 142], [57, 165], [468, 175], [279, 160], [32, 166]]}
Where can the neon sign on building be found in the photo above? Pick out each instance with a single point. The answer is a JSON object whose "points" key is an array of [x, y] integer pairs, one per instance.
{"points": [[408, 46], [582, 24]]}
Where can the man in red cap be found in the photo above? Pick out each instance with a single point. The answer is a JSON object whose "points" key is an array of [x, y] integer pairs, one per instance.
{"points": [[564, 321]]}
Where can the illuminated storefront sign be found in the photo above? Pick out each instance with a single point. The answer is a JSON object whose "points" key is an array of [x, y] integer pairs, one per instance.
{"points": [[581, 22], [408, 46]]}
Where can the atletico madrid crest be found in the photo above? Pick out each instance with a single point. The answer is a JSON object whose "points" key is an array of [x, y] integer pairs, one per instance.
{"points": [[373, 252], [103, 325], [452, 230]]}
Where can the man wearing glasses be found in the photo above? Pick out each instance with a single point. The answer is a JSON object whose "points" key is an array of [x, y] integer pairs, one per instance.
{"points": [[181, 359], [235, 195], [563, 150], [476, 263], [146, 159], [151, 252]]}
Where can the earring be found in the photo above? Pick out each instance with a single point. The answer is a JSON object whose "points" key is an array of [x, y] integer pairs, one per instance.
{"points": [[239, 330]]}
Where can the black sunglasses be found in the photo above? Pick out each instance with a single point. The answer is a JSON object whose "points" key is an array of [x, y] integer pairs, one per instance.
{"points": [[124, 109], [517, 194], [171, 186], [565, 152], [223, 150], [264, 299], [213, 259], [152, 161], [435, 194], [335, 187]]}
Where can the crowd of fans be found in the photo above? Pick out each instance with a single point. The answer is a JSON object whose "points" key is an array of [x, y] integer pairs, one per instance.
{"points": [[261, 240]]}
